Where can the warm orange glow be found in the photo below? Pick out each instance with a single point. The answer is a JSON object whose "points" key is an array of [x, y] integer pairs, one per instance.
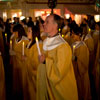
{"points": [[42, 12]]}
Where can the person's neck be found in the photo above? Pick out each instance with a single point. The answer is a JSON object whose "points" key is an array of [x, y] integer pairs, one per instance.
{"points": [[53, 34]]}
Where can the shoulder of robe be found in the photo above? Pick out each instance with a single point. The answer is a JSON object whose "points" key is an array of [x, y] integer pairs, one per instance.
{"points": [[84, 47], [64, 46]]}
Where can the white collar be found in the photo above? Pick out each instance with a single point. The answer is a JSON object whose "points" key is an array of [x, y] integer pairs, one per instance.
{"points": [[23, 38], [12, 36], [88, 36], [53, 42], [29, 44], [77, 44]]}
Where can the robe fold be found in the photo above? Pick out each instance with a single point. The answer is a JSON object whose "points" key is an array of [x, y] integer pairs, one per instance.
{"points": [[90, 44]]}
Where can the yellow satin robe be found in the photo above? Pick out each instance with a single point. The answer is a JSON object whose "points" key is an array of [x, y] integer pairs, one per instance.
{"points": [[56, 79], [19, 69], [32, 63], [2, 80], [81, 72]]}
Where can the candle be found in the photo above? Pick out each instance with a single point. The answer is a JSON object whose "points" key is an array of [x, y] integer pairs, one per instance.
{"points": [[10, 44], [73, 48], [23, 49], [6, 37], [37, 43]]}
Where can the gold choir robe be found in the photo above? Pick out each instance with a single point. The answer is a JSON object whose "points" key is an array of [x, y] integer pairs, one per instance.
{"points": [[32, 63], [19, 68], [55, 78], [90, 44], [2, 80], [80, 64]]}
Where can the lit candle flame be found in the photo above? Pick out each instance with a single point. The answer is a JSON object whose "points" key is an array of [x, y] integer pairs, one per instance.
{"points": [[74, 46], [89, 29], [59, 29], [62, 35], [6, 37], [36, 39]]}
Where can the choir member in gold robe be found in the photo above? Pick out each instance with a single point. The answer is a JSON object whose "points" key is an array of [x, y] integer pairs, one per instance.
{"points": [[19, 69], [96, 34], [2, 80], [81, 64], [87, 38], [31, 60], [55, 77]]}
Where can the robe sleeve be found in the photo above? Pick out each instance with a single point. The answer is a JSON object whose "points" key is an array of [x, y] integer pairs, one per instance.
{"points": [[59, 67]]}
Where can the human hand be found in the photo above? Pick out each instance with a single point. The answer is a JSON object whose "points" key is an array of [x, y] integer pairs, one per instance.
{"points": [[42, 58]]}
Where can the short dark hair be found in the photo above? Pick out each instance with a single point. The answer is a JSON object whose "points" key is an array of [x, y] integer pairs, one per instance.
{"points": [[19, 28], [57, 19]]}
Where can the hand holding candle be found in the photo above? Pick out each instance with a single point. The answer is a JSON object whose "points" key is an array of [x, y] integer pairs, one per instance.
{"points": [[37, 43], [23, 49]]}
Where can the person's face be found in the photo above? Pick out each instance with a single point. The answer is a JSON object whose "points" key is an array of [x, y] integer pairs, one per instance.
{"points": [[29, 33], [50, 26], [16, 34]]}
